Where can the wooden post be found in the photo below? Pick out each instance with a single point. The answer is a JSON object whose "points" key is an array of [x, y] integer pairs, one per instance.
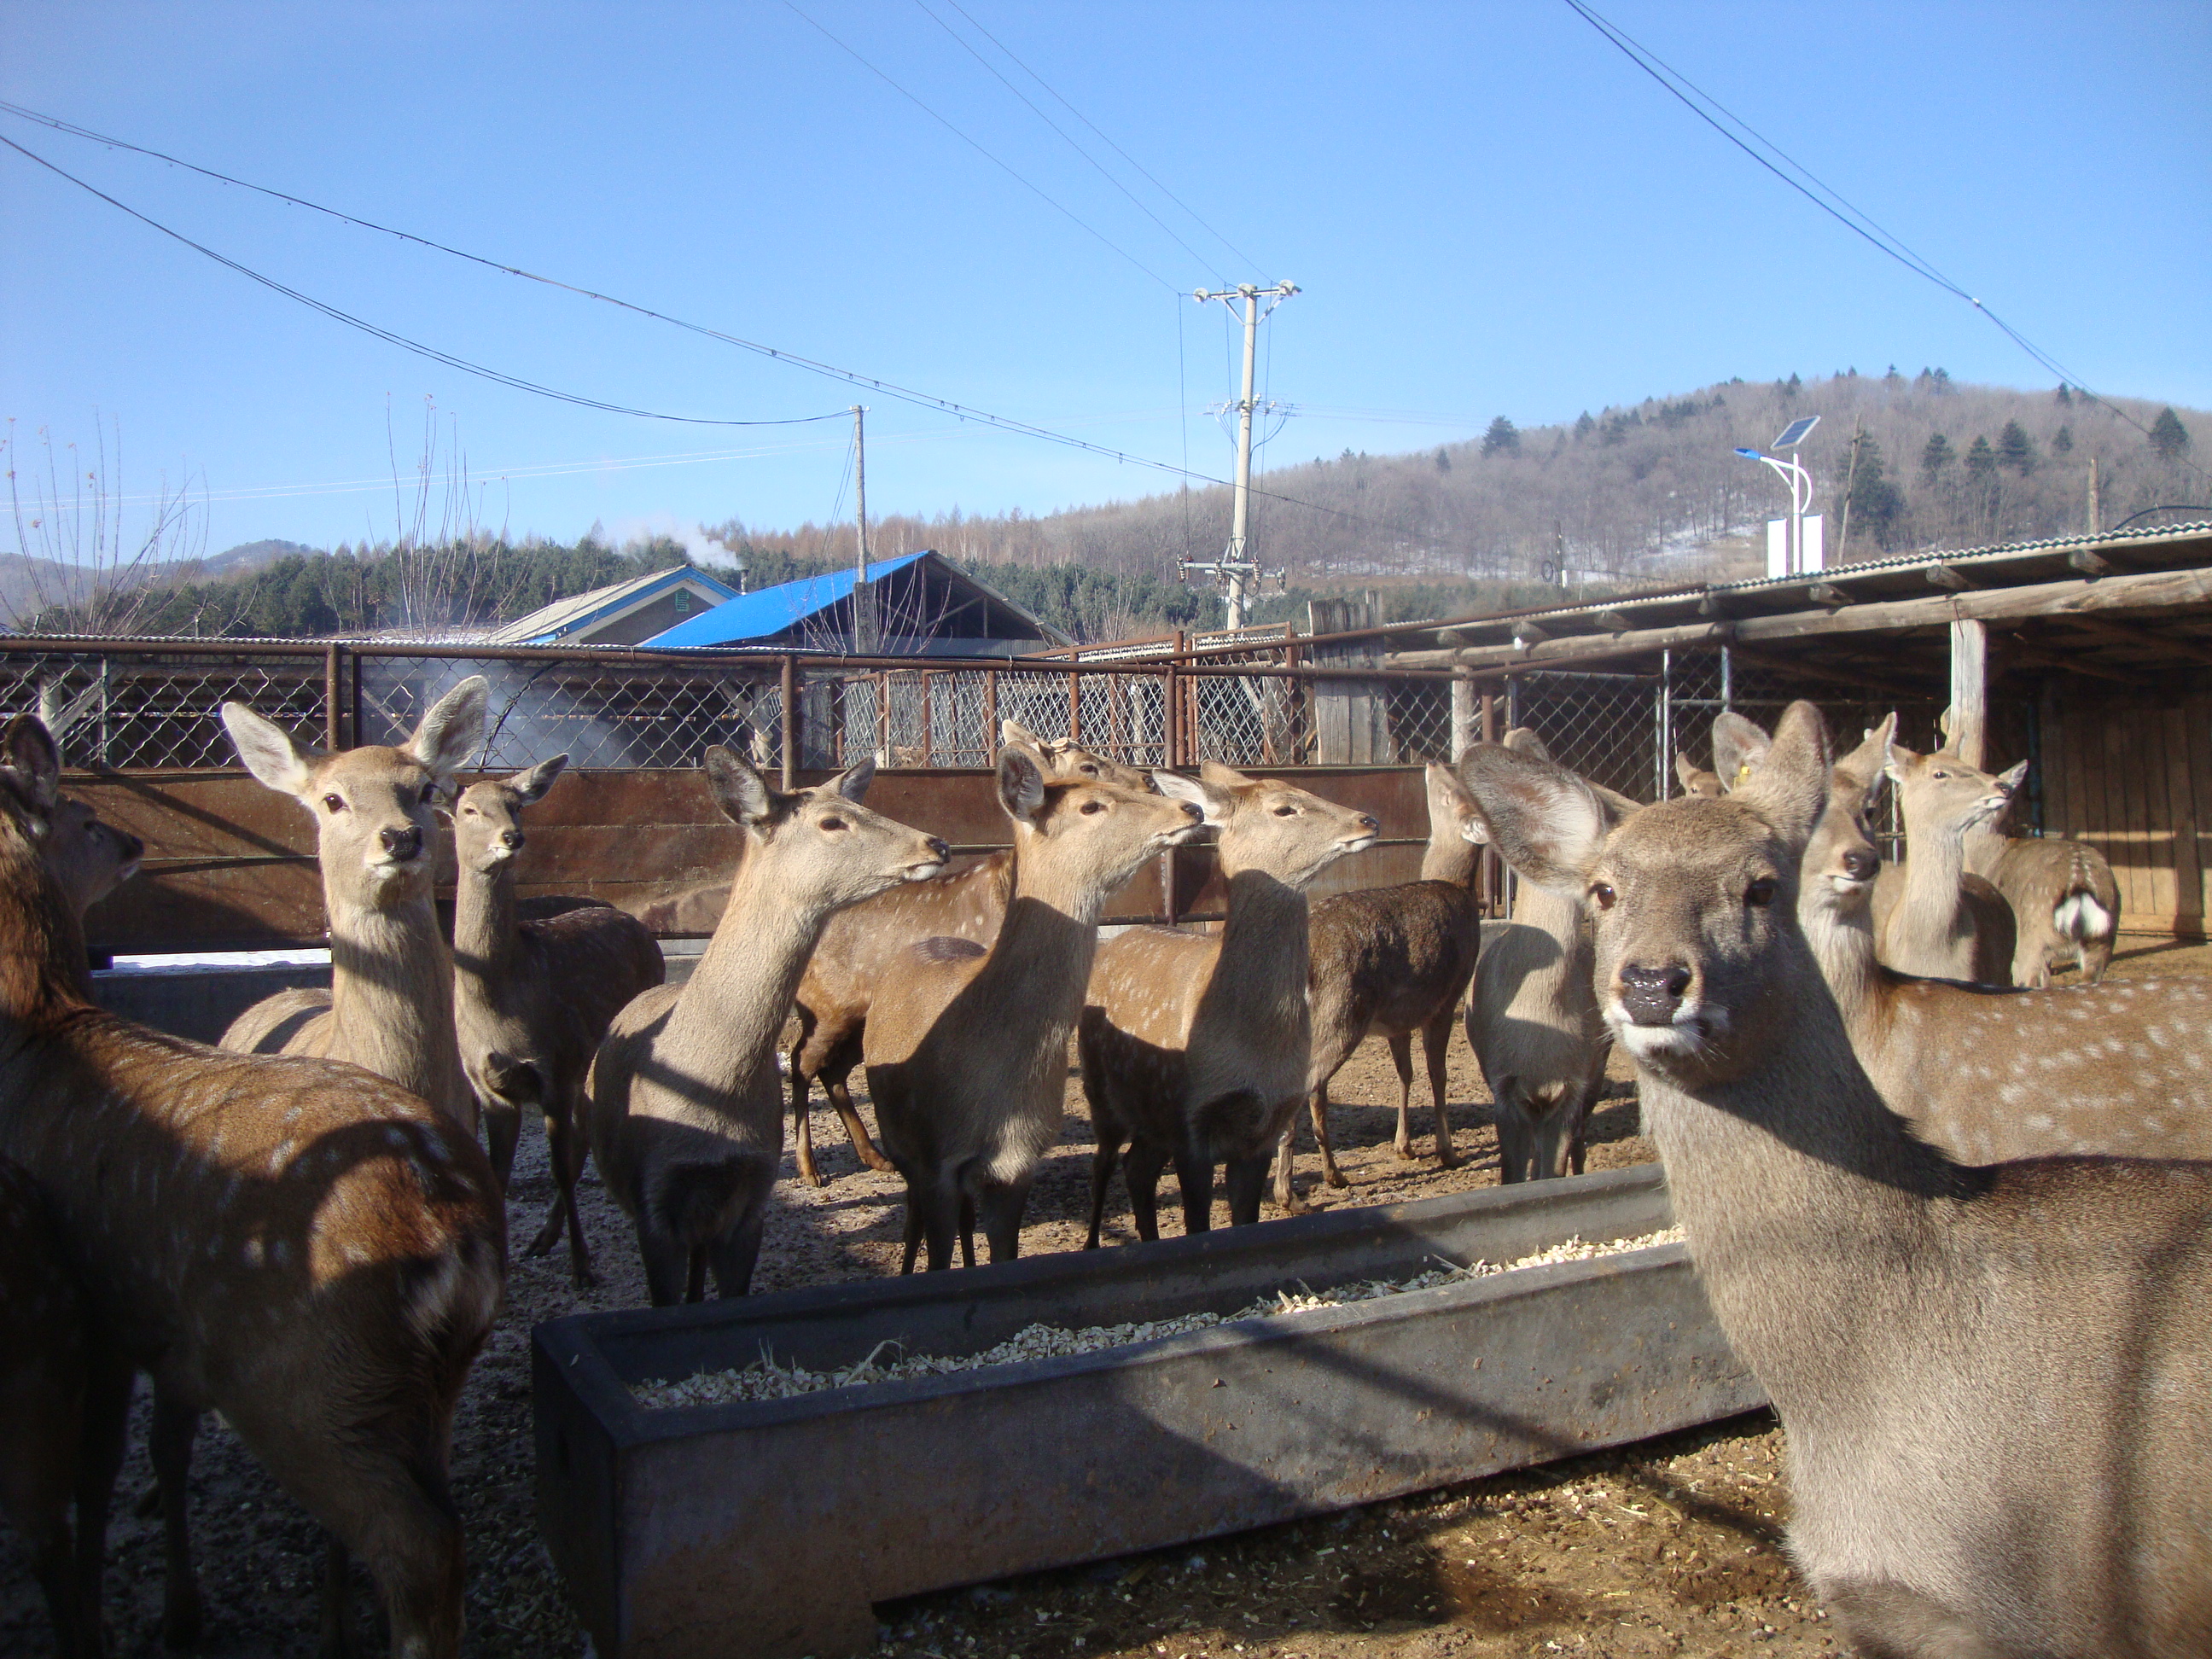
{"points": [[1970, 657], [884, 717], [788, 700], [927, 695], [333, 705], [990, 714], [1462, 715], [1074, 706], [1488, 866], [1171, 717]]}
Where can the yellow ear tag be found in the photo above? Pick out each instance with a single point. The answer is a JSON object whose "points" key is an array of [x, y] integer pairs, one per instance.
{"points": [[1742, 775]]}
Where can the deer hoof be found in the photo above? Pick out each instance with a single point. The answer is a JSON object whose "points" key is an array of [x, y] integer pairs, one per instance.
{"points": [[1336, 1178], [875, 1160], [548, 1236], [1294, 1205], [1448, 1160]]}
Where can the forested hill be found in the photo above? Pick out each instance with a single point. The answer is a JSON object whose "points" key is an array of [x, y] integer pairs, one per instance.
{"points": [[1642, 493]]}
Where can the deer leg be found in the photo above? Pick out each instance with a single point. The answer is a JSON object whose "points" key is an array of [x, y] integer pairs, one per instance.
{"points": [[802, 1120], [1142, 1169], [913, 1225], [1401, 1056], [1286, 1197], [1107, 1153], [1247, 1179], [1000, 1207], [175, 1424], [571, 1151], [1195, 1174], [1319, 1106], [841, 1097], [734, 1254], [2096, 957], [967, 1231], [667, 1262], [1436, 1044], [341, 1639], [502, 1121], [36, 1478], [1516, 1138], [104, 1423], [939, 1221]]}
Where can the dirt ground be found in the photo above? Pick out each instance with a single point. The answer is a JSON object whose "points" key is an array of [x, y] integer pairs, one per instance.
{"points": [[1667, 1547]]}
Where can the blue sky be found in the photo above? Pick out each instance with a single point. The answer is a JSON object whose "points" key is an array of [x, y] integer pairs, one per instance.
{"points": [[1489, 209]]}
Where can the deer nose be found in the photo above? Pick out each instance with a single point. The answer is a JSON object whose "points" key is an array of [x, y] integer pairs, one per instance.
{"points": [[1370, 824], [1192, 811], [1861, 865], [511, 839], [402, 844], [939, 849], [1653, 995], [132, 846]]}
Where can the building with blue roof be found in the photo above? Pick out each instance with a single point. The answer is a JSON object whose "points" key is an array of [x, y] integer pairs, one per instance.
{"points": [[622, 614], [925, 606]]}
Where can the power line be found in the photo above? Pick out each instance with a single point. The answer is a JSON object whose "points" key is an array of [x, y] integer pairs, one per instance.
{"points": [[1243, 257], [1066, 212], [889, 389], [432, 353], [922, 7], [1823, 196]]}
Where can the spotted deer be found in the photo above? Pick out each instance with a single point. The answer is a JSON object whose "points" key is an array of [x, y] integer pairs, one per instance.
{"points": [[1988, 1075], [1991, 1379], [1938, 919], [532, 995], [390, 1008], [1196, 1049], [685, 1108], [967, 1044], [1392, 961], [1534, 1021], [862, 945], [2065, 903], [308, 1248]]}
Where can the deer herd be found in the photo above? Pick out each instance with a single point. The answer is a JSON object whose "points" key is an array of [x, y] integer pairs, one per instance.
{"points": [[1950, 1216]]}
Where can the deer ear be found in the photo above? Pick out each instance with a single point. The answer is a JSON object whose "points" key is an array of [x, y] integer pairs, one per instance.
{"points": [[451, 729], [2012, 777], [1896, 760], [1021, 783], [1220, 776], [1521, 741], [853, 782], [1547, 823], [1790, 787], [1015, 731], [1740, 746], [30, 764], [741, 792], [271, 753], [532, 784], [1215, 802]]}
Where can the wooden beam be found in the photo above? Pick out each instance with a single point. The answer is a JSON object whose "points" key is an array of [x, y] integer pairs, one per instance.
{"points": [[2150, 590], [2018, 650], [2090, 564], [1828, 593], [1612, 621], [2143, 638], [1970, 691], [1942, 576]]}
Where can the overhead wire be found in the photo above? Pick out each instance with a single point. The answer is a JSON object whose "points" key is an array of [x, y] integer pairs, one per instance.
{"points": [[1035, 190], [887, 388], [1830, 201]]}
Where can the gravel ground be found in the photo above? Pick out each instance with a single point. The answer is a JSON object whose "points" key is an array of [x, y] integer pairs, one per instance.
{"points": [[1662, 1548]]}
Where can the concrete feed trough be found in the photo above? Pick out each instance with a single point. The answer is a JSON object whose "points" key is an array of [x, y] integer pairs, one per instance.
{"points": [[768, 1528]]}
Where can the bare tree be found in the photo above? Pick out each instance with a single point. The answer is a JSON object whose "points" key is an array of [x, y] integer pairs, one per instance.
{"points": [[85, 562]]}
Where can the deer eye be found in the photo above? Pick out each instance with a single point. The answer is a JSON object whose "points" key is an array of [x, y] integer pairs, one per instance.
{"points": [[1760, 894], [334, 803], [1939, 774], [1286, 812], [1602, 895], [1088, 770], [1091, 806], [833, 824]]}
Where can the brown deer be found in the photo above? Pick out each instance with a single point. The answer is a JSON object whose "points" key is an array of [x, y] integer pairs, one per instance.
{"points": [[1695, 779], [967, 1044], [47, 1462], [304, 1247], [1394, 960], [532, 996], [685, 1109], [1990, 1075], [862, 945], [1197, 1048], [1944, 922], [1991, 1380], [1534, 1021], [2065, 903], [390, 1008]]}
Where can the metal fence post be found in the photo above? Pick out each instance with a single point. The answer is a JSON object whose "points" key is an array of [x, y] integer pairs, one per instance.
{"points": [[787, 715], [333, 684], [1664, 712], [990, 714]]}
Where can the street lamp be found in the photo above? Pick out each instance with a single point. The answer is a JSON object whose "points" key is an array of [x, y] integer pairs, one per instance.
{"points": [[1796, 555]]}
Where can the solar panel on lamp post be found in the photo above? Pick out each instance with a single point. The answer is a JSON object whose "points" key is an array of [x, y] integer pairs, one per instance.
{"points": [[1800, 483]]}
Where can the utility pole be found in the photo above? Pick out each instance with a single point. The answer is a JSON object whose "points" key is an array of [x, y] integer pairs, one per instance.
{"points": [[1235, 567], [867, 628]]}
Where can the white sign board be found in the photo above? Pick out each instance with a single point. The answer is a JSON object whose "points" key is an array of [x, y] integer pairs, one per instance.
{"points": [[1812, 560], [1777, 547]]}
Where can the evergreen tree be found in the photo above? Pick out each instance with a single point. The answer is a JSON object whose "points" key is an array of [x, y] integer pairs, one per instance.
{"points": [[1791, 386], [1444, 461], [1981, 460], [1874, 503], [2014, 449], [2065, 397], [1935, 456], [1943, 380], [1583, 426], [2168, 437], [2063, 442], [1502, 438]]}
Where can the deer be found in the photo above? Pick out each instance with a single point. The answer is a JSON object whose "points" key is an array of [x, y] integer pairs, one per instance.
{"points": [[304, 1247], [1394, 960], [1944, 922], [48, 1466], [862, 945], [532, 995], [390, 1008], [1196, 1049], [1534, 1021], [2065, 903], [683, 1107], [1990, 1378], [966, 1047], [1931, 1045], [1695, 779]]}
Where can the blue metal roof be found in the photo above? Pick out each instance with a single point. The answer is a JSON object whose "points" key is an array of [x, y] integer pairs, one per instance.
{"points": [[770, 611], [551, 623]]}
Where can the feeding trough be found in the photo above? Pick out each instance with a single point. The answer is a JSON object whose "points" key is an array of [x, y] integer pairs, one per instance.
{"points": [[769, 1527]]}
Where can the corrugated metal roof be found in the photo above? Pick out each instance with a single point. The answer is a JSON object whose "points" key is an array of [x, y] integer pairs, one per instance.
{"points": [[548, 624], [768, 612]]}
